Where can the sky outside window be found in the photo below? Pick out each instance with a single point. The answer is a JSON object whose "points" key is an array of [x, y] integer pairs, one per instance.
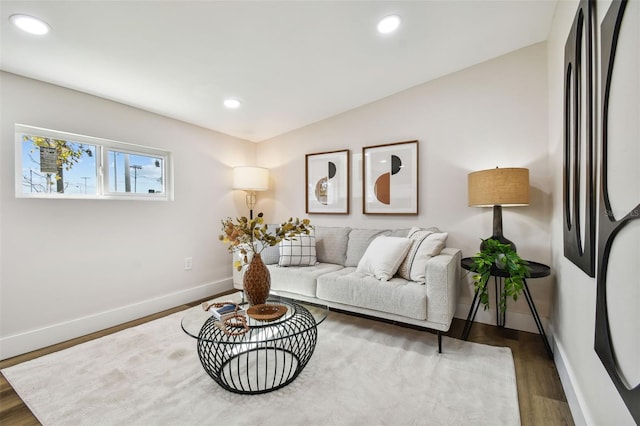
{"points": [[135, 173]]}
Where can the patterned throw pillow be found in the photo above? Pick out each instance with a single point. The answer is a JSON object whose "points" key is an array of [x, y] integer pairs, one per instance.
{"points": [[426, 243], [417, 236], [299, 251]]}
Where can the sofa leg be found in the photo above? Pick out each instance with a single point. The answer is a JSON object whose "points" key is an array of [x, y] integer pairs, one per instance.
{"points": [[439, 342]]}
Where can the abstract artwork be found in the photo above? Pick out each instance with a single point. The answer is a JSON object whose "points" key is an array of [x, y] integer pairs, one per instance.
{"points": [[390, 178], [327, 182], [617, 334], [579, 219]]}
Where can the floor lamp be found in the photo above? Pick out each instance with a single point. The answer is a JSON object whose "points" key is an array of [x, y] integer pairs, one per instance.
{"points": [[499, 188], [251, 180]]}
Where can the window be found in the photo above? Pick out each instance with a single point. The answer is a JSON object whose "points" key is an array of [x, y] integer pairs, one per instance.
{"points": [[136, 173], [53, 164]]}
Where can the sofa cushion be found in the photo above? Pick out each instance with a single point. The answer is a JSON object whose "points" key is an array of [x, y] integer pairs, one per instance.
{"points": [[270, 254], [398, 232], [383, 257], [359, 240], [331, 244], [431, 246], [396, 296], [426, 244], [298, 251], [417, 237], [299, 279]]}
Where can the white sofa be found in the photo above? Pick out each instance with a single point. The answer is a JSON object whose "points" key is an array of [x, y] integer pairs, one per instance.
{"points": [[334, 277]]}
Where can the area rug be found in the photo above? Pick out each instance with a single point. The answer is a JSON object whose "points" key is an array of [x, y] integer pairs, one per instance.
{"points": [[362, 372]]}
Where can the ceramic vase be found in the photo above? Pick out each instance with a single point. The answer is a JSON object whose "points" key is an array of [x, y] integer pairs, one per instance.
{"points": [[256, 281]]}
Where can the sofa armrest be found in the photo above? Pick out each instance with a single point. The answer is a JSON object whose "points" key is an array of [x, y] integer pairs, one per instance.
{"points": [[442, 285], [237, 278]]}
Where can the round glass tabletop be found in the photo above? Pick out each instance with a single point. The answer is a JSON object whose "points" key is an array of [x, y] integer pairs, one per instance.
{"points": [[304, 315]]}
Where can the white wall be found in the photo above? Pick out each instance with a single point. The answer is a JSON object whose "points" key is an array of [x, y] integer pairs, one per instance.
{"points": [[591, 393], [492, 114], [70, 267]]}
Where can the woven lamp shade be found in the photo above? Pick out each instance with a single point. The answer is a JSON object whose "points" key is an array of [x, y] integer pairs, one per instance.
{"points": [[499, 187]]}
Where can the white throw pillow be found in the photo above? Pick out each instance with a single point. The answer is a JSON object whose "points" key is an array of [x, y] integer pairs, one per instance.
{"points": [[298, 251], [426, 244], [383, 257]]}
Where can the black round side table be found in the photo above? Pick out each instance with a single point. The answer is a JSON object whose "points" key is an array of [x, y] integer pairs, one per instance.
{"points": [[537, 270]]}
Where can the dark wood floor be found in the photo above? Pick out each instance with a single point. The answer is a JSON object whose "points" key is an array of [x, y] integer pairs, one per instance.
{"points": [[541, 397]]}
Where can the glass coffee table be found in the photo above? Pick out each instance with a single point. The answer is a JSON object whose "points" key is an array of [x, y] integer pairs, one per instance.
{"points": [[268, 356]]}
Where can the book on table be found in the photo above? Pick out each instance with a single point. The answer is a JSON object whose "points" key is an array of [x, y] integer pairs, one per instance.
{"points": [[226, 311]]}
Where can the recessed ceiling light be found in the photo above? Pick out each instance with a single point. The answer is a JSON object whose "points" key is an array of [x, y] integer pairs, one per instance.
{"points": [[30, 24], [232, 103], [388, 24]]}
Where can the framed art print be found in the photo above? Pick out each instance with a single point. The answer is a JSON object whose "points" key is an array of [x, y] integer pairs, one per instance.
{"points": [[327, 182], [390, 178]]}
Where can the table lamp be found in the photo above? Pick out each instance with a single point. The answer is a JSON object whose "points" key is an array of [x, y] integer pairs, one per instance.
{"points": [[250, 179], [496, 188]]}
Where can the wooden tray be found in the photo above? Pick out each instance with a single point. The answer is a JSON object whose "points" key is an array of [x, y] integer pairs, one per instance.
{"points": [[266, 312]]}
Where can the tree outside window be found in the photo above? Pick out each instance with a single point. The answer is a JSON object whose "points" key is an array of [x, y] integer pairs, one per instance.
{"points": [[57, 165]]}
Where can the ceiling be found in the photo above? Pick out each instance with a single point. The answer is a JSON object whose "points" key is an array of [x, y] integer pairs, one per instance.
{"points": [[290, 63]]}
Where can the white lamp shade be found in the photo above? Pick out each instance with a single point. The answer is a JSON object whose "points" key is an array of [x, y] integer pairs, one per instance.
{"points": [[251, 178]]}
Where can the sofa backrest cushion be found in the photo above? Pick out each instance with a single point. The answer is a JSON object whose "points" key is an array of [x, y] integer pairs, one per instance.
{"points": [[398, 232], [383, 257], [359, 240], [331, 244], [270, 254]]}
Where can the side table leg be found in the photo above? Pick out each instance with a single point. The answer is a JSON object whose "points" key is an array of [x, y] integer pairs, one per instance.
{"points": [[500, 317], [473, 310], [536, 317]]}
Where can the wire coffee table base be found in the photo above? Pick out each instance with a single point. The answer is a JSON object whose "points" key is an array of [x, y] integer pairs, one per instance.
{"points": [[266, 358]]}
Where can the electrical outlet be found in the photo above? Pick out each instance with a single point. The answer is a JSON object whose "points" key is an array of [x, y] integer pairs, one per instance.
{"points": [[188, 263]]}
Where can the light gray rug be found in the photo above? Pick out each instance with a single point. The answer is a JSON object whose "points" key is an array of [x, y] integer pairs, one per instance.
{"points": [[362, 372]]}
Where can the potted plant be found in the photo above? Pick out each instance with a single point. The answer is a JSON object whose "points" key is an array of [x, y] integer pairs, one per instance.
{"points": [[249, 237], [495, 255]]}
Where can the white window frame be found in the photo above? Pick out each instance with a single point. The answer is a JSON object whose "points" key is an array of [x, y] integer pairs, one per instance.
{"points": [[103, 146]]}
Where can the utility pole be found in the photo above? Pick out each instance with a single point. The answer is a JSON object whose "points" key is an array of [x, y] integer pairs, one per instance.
{"points": [[127, 174], [85, 183], [115, 172], [135, 168]]}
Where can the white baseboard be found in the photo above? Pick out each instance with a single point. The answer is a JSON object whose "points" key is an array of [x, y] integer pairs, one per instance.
{"points": [[574, 397], [39, 338]]}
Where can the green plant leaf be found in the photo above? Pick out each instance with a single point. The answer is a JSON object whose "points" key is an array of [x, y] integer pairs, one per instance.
{"points": [[503, 257]]}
